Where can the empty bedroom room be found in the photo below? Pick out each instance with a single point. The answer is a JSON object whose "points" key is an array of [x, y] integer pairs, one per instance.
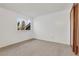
{"points": [[36, 29]]}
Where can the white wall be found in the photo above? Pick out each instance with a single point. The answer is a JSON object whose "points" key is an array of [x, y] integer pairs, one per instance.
{"points": [[8, 30], [53, 27]]}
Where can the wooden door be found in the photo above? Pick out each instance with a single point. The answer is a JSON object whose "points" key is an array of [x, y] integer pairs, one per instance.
{"points": [[74, 28], [78, 30]]}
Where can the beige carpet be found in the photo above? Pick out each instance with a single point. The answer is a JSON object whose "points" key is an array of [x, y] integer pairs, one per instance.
{"points": [[36, 48]]}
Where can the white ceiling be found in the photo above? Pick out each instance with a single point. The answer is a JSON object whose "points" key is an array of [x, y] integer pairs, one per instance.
{"points": [[35, 9]]}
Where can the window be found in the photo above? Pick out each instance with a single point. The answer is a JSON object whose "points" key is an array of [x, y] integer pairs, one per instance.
{"points": [[23, 24]]}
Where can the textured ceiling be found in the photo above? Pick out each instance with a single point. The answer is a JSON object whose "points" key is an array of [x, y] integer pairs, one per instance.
{"points": [[35, 9]]}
